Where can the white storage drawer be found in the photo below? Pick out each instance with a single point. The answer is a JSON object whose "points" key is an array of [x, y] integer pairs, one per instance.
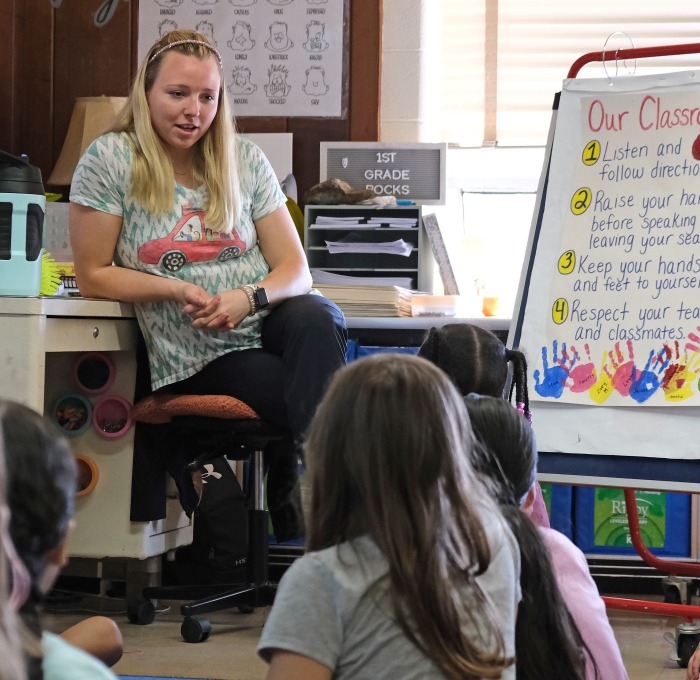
{"points": [[94, 334]]}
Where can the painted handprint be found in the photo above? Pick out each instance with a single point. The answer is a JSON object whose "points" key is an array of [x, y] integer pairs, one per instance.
{"points": [[647, 381], [622, 370], [694, 345], [555, 376], [680, 375], [619, 379], [583, 376], [603, 388]]}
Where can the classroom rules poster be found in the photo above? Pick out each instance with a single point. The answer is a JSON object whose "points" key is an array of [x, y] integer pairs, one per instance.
{"points": [[612, 311]]}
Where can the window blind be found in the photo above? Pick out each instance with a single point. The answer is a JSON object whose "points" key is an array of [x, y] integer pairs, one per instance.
{"points": [[498, 83]]}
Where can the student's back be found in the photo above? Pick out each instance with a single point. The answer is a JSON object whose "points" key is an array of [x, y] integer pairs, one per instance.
{"points": [[410, 569], [562, 613], [585, 604], [345, 588]]}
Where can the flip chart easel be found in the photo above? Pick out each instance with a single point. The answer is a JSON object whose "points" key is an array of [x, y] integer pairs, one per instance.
{"points": [[639, 439]]}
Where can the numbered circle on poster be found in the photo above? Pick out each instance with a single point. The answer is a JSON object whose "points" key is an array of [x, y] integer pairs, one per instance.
{"points": [[580, 201], [567, 262], [560, 310], [591, 152]]}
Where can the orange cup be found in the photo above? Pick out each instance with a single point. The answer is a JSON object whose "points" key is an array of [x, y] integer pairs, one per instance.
{"points": [[489, 306]]}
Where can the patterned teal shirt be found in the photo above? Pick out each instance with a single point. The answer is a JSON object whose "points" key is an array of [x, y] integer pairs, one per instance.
{"points": [[177, 244]]}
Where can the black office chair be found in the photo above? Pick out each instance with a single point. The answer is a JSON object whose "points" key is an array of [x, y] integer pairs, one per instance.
{"points": [[221, 426]]}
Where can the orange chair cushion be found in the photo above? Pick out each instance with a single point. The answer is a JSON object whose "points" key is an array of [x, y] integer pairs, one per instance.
{"points": [[161, 408]]}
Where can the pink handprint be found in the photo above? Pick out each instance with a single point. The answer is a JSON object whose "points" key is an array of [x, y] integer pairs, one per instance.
{"points": [[583, 376], [695, 339], [622, 372]]}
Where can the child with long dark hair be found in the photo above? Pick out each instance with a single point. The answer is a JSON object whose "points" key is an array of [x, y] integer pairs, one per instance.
{"points": [[561, 620], [42, 479], [410, 570], [478, 362], [15, 639]]}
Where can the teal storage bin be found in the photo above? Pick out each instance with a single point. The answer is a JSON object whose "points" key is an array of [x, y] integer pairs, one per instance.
{"points": [[601, 525]]}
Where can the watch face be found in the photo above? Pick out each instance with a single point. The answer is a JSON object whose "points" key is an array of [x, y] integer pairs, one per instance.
{"points": [[261, 298]]}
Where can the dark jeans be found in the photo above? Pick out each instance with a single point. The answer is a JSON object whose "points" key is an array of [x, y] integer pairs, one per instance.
{"points": [[304, 340]]}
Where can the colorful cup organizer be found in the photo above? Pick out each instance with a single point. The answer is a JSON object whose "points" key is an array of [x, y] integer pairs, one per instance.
{"points": [[94, 372], [73, 414], [88, 475], [111, 416]]}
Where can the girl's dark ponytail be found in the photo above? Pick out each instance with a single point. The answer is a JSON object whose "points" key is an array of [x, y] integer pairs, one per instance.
{"points": [[519, 382], [544, 622]]}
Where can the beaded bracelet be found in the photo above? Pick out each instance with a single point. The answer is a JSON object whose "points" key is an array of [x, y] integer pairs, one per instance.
{"points": [[249, 292]]}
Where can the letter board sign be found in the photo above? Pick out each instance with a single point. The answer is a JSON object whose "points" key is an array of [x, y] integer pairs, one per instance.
{"points": [[413, 172]]}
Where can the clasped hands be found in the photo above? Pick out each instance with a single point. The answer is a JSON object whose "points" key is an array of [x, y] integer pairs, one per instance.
{"points": [[221, 312]]}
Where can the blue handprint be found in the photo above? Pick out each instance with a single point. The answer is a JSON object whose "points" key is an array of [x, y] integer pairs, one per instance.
{"points": [[646, 381], [555, 376]]}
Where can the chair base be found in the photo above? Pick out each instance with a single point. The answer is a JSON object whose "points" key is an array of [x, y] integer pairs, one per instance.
{"points": [[246, 597], [195, 627], [258, 591]]}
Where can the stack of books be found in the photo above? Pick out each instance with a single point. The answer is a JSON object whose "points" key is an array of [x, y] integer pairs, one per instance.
{"points": [[369, 300]]}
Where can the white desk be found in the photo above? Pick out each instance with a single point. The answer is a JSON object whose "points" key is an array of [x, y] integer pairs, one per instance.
{"points": [[42, 339]]}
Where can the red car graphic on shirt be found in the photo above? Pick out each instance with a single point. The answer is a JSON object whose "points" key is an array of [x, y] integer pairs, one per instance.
{"points": [[191, 241]]}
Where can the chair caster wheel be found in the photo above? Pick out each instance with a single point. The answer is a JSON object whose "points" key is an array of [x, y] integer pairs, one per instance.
{"points": [[141, 612], [195, 629], [685, 641], [686, 648]]}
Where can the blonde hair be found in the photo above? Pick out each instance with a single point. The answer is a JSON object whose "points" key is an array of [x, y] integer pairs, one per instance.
{"points": [[215, 165]]}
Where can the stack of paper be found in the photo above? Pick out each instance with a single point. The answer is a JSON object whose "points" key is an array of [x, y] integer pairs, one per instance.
{"points": [[400, 222], [321, 276], [398, 247], [369, 300], [332, 221]]}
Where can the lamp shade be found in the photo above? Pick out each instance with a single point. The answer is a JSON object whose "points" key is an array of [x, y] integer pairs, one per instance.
{"points": [[91, 117]]}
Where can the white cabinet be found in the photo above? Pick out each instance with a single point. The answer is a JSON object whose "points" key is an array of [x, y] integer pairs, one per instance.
{"points": [[416, 267], [42, 341]]}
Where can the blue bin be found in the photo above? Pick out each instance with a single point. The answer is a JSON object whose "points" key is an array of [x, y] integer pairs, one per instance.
{"points": [[351, 351], [367, 350], [559, 500]]}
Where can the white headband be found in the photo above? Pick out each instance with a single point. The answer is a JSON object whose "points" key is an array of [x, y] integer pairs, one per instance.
{"points": [[186, 42]]}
